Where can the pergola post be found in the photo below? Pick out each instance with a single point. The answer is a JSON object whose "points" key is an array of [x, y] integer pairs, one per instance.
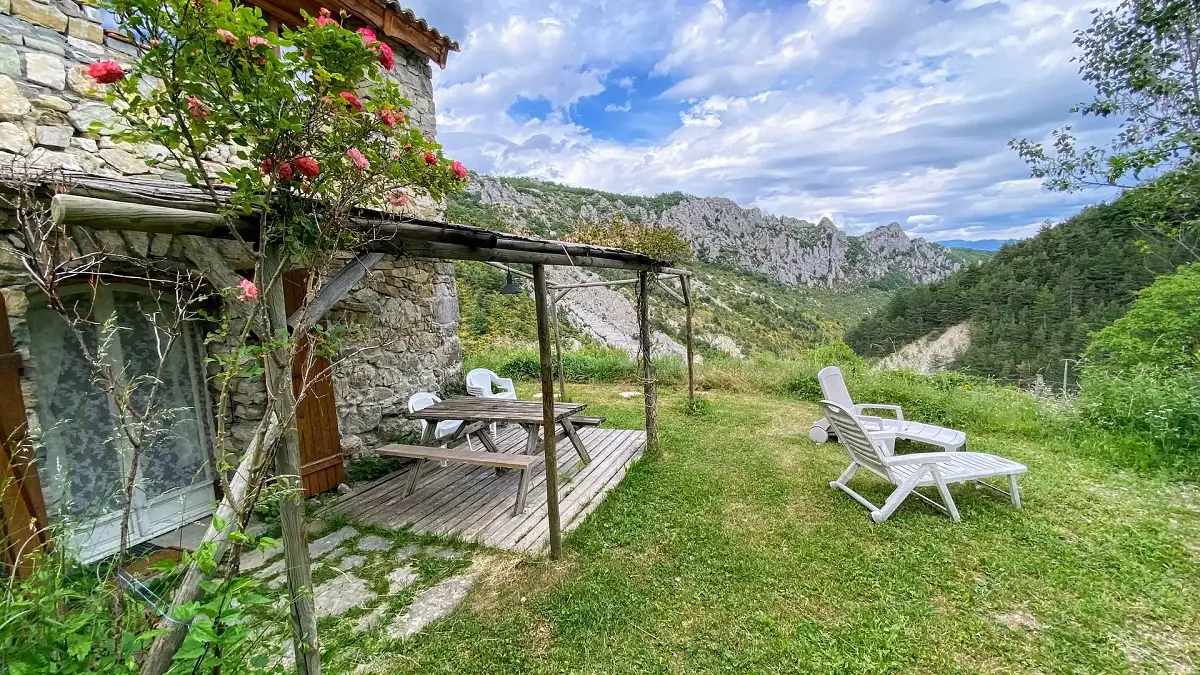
{"points": [[558, 350], [686, 285], [548, 426], [287, 463], [649, 384]]}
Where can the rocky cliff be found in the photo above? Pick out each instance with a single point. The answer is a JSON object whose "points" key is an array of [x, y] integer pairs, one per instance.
{"points": [[789, 250]]}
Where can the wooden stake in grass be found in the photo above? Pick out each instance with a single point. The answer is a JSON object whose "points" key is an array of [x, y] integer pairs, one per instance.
{"points": [[686, 285], [649, 384], [548, 425]]}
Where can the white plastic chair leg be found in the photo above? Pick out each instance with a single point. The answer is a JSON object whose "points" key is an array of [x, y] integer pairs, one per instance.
{"points": [[846, 476], [1013, 494], [898, 496], [951, 508]]}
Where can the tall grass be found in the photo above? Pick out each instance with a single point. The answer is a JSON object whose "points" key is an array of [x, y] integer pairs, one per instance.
{"points": [[587, 366]]}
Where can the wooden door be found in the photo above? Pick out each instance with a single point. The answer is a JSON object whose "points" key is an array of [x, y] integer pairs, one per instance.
{"points": [[316, 414], [22, 508]]}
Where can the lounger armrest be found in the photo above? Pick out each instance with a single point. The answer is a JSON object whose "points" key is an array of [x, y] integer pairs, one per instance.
{"points": [[879, 406], [921, 458], [870, 423]]}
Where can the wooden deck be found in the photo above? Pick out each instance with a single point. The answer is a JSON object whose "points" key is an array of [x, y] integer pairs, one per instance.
{"points": [[475, 503]]}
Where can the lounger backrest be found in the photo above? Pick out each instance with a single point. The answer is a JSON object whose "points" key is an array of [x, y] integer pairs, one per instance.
{"points": [[479, 382], [858, 443], [833, 387], [419, 400]]}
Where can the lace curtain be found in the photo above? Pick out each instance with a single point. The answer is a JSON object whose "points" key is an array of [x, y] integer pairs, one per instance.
{"points": [[85, 457]]}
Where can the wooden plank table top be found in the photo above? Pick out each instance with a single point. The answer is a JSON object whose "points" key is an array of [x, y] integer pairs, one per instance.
{"points": [[472, 408]]}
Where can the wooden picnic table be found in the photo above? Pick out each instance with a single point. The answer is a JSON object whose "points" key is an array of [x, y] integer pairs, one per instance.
{"points": [[478, 413]]}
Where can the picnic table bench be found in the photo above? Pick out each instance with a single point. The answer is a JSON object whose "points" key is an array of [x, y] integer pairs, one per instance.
{"points": [[499, 460]]}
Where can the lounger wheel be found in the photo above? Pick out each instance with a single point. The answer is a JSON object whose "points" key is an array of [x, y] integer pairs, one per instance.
{"points": [[833, 484], [878, 516], [818, 435]]}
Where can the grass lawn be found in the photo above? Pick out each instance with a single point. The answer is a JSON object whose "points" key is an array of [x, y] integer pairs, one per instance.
{"points": [[728, 552]]}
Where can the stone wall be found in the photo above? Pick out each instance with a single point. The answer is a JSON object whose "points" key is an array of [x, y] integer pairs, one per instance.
{"points": [[408, 309]]}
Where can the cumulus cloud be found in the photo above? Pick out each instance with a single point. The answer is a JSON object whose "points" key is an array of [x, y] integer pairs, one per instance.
{"points": [[872, 111]]}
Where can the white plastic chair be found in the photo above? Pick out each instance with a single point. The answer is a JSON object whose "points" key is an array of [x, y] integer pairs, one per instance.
{"points": [[909, 472], [445, 428], [484, 383], [833, 388]]}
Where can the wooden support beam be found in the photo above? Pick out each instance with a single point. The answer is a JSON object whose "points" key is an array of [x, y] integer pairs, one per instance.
{"points": [[288, 467], [594, 284], [102, 214], [205, 256], [334, 290], [423, 249], [548, 425], [506, 268], [686, 285], [558, 350], [667, 289], [649, 384]]}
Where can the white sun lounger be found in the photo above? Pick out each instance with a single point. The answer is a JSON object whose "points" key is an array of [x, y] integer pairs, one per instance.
{"points": [[833, 387], [909, 472]]}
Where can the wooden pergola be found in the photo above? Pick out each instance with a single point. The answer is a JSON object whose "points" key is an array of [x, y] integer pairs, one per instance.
{"points": [[124, 204]]}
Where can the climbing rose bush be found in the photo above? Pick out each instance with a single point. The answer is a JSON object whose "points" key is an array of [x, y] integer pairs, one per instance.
{"points": [[308, 114]]}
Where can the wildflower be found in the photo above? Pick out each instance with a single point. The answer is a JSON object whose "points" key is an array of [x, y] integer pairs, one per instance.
{"points": [[459, 171], [197, 109], [247, 291], [106, 72], [307, 166], [431, 158], [368, 36], [358, 159], [398, 199], [390, 118], [256, 41], [229, 38], [387, 58], [351, 99]]}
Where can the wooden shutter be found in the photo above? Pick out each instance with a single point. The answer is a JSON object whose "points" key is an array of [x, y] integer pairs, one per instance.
{"points": [[22, 508], [316, 415]]}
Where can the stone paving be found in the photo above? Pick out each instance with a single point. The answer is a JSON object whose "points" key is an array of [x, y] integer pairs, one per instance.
{"points": [[373, 585]]}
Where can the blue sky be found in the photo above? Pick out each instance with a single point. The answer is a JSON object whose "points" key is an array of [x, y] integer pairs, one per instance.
{"points": [[867, 111]]}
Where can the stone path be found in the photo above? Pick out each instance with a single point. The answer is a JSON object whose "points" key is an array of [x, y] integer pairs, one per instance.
{"points": [[373, 583]]}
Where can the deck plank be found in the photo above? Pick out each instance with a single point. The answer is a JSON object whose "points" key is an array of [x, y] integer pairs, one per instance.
{"points": [[475, 503]]}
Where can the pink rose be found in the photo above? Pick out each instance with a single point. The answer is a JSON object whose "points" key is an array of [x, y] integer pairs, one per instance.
{"points": [[368, 36], [256, 41], [285, 173], [106, 72], [459, 171], [431, 158], [390, 118], [229, 38], [350, 98], [358, 159], [387, 58], [247, 291], [398, 199], [326, 18], [196, 108]]}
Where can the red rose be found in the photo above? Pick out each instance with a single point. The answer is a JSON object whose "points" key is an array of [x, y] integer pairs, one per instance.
{"points": [[431, 158], [350, 98], [307, 166], [390, 118], [368, 36], [459, 171], [285, 173], [106, 72], [387, 59]]}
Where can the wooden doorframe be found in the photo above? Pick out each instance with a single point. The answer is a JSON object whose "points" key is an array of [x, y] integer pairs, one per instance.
{"points": [[23, 520], [322, 460]]}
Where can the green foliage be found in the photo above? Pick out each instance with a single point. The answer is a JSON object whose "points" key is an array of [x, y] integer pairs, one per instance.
{"points": [[592, 364], [662, 243], [485, 316], [367, 468], [1140, 57], [1037, 301], [1143, 371]]}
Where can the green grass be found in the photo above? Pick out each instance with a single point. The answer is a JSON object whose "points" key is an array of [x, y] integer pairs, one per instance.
{"points": [[728, 552]]}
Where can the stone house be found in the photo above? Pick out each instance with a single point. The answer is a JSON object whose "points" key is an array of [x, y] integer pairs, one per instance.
{"points": [[407, 305]]}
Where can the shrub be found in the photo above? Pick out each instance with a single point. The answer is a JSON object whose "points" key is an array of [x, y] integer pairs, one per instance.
{"points": [[590, 365]]}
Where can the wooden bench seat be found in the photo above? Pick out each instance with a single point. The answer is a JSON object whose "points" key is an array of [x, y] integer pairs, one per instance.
{"points": [[497, 460], [581, 421]]}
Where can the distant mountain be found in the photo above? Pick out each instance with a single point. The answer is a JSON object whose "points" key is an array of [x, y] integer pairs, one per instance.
{"points": [[977, 244]]}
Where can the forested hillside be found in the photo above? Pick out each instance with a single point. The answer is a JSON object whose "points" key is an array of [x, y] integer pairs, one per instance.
{"points": [[1036, 302]]}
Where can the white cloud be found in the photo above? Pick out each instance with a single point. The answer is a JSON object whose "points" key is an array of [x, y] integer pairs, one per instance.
{"points": [[870, 110]]}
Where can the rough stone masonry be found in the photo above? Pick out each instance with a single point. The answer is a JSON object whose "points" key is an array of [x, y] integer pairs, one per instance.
{"points": [[407, 308]]}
